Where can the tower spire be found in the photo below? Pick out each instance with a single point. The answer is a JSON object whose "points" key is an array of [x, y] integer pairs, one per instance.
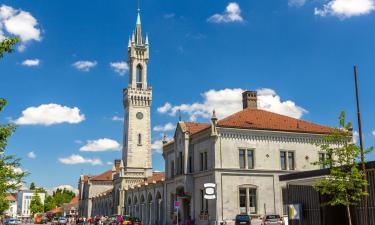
{"points": [[138, 28]]}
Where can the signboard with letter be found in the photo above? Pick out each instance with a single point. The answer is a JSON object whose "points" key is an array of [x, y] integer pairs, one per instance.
{"points": [[209, 191]]}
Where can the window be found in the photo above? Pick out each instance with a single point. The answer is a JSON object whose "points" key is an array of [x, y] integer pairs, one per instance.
{"points": [[203, 161], [181, 163], [283, 160], [204, 203], [190, 164], [172, 168], [291, 160], [246, 158], [139, 76], [243, 201], [139, 139], [287, 160], [248, 200], [242, 158], [322, 157], [250, 159]]}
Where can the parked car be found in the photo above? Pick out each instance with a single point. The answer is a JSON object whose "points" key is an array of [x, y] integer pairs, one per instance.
{"points": [[243, 219], [62, 221], [55, 221], [12, 222], [272, 219]]}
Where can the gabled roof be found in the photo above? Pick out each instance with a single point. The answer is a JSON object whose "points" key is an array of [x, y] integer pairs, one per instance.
{"points": [[193, 127], [107, 175], [156, 177], [264, 120]]}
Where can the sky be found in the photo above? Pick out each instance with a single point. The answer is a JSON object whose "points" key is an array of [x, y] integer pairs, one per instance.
{"points": [[64, 82]]}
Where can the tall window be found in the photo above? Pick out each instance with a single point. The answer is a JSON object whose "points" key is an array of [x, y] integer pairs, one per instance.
{"points": [[242, 158], [190, 163], [203, 161], [172, 168], [139, 76], [139, 139], [204, 203], [248, 200], [287, 160], [246, 158]]}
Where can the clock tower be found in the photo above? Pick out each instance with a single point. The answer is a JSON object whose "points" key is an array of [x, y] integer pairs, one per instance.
{"points": [[136, 152]]}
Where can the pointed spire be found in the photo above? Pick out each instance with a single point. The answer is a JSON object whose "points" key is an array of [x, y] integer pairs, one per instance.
{"points": [[139, 18], [146, 39], [138, 29], [133, 37], [129, 43]]}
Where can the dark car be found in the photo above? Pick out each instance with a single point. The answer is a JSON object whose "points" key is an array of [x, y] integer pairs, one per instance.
{"points": [[272, 219], [243, 219], [136, 221]]}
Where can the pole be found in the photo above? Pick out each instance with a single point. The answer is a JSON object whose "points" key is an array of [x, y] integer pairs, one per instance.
{"points": [[365, 203]]}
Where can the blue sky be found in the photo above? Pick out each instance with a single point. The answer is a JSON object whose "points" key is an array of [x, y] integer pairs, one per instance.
{"points": [[298, 54]]}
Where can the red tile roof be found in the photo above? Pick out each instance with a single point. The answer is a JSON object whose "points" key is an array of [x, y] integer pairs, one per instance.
{"points": [[74, 200], [193, 127], [156, 177], [265, 120], [55, 210], [11, 197], [107, 175]]}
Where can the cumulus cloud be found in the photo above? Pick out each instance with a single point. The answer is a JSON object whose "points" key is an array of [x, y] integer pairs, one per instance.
{"points": [[109, 163], [84, 65], [31, 62], [346, 8], [164, 128], [101, 145], [157, 146], [232, 14], [77, 159], [120, 67], [31, 155], [17, 22], [373, 133], [49, 114], [229, 101], [117, 118]]}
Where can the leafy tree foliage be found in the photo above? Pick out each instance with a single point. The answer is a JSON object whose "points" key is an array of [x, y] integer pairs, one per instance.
{"points": [[62, 196], [36, 205], [32, 186], [11, 176], [346, 182], [49, 203], [6, 46]]}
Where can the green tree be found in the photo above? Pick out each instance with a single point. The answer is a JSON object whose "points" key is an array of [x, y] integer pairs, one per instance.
{"points": [[11, 176], [36, 205], [6, 46], [49, 203], [345, 184], [62, 196], [32, 186]]}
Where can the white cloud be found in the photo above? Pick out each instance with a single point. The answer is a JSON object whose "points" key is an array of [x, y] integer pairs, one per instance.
{"points": [[165, 108], [31, 155], [117, 118], [296, 3], [120, 67], [232, 14], [229, 101], [31, 62], [346, 8], [77, 159], [101, 145], [109, 163], [20, 23], [373, 133], [157, 146], [84, 65], [78, 142], [166, 127], [48, 114]]}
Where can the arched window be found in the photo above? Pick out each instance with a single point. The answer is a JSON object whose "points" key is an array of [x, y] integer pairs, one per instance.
{"points": [[139, 139], [139, 76]]}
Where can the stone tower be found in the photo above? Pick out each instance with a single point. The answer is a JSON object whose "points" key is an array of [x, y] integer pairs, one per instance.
{"points": [[137, 101]]}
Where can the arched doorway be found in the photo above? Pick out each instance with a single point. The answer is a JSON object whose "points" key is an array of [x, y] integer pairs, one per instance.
{"points": [[158, 201], [142, 208], [136, 207], [184, 199], [149, 209]]}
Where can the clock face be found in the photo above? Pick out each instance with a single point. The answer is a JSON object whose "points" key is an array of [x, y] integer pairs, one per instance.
{"points": [[139, 115]]}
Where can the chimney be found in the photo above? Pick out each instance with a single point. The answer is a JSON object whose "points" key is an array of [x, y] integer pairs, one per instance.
{"points": [[249, 99]]}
